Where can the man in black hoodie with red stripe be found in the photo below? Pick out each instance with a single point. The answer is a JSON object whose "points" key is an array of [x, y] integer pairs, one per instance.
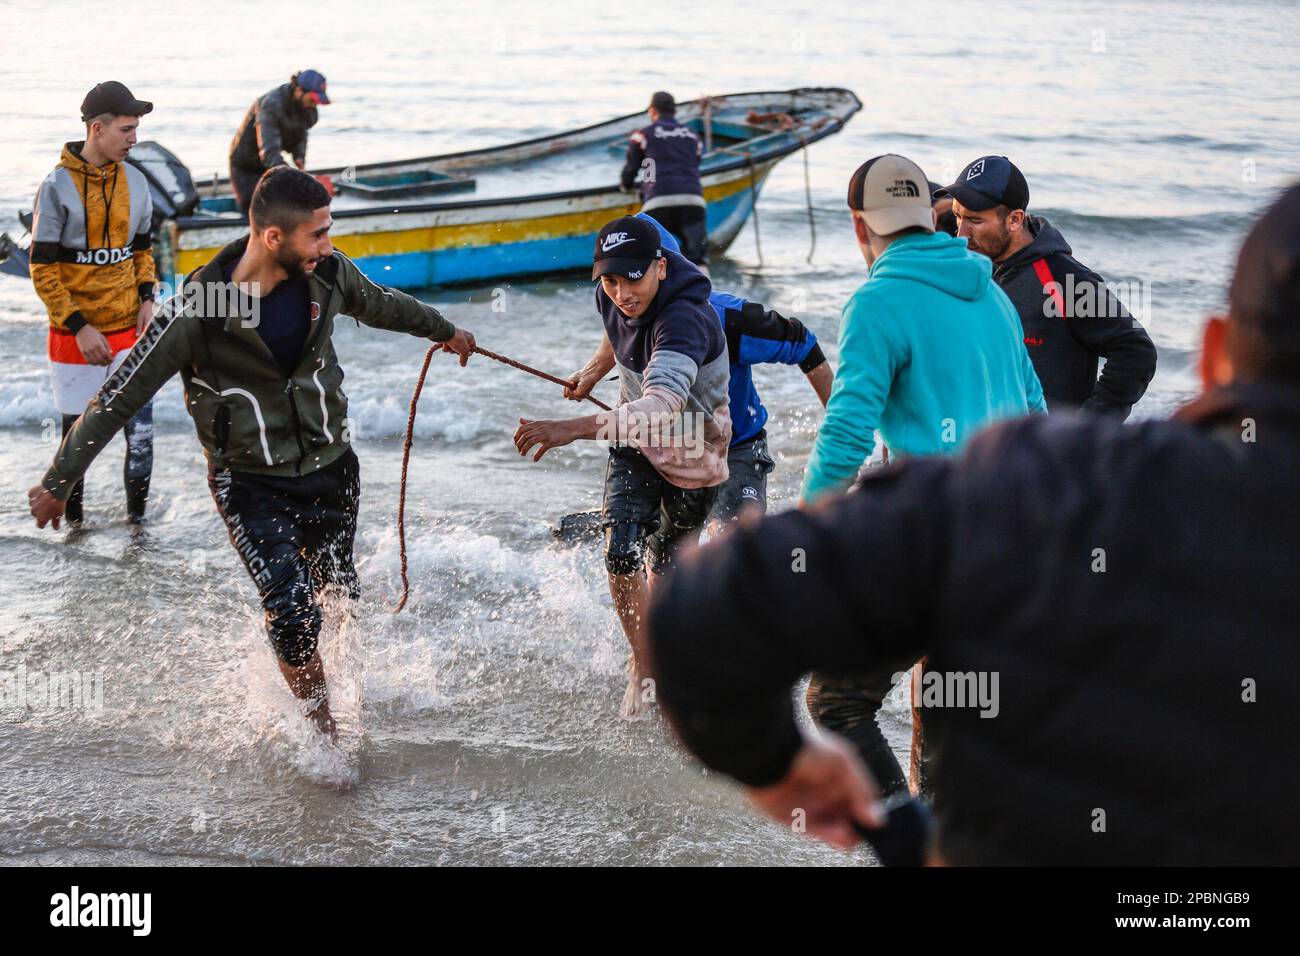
{"points": [[1071, 318]]}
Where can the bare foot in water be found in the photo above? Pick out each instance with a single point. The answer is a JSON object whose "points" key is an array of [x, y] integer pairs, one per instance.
{"points": [[318, 712], [638, 698]]}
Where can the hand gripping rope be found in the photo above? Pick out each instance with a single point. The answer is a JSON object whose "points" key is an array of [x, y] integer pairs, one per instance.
{"points": [[410, 434]]}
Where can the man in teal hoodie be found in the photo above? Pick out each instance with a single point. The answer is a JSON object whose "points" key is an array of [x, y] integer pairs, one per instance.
{"points": [[931, 351]]}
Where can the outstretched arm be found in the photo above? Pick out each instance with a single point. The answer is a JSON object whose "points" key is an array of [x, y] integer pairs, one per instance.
{"points": [[745, 616], [821, 379], [383, 308], [589, 376]]}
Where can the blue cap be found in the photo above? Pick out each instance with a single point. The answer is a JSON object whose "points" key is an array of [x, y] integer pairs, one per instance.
{"points": [[311, 81], [989, 181]]}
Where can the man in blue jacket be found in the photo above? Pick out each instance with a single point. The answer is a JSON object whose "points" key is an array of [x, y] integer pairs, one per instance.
{"points": [[664, 158], [930, 353], [755, 336]]}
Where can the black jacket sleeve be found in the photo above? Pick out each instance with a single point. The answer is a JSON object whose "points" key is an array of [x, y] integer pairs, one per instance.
{"points": [[1112, 333], [635, 155], [839, 589]]}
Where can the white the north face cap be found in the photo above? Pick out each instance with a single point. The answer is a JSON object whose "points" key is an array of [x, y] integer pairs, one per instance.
{"points": [[892, 193]]}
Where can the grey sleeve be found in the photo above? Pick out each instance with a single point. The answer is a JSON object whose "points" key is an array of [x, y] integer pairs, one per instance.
{"points": [[269, 144]]}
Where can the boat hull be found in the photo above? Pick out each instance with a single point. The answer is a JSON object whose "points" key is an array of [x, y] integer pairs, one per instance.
{"points": [[482, 239], [415, 250]]}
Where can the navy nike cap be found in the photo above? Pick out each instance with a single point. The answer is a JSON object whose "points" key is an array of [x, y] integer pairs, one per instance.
{"points": [[626, 247]]}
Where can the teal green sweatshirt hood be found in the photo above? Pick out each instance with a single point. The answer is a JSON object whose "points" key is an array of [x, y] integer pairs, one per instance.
{"points": [[938, 260], [931, 351]]}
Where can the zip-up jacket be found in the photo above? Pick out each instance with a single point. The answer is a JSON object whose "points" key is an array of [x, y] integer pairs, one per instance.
{"points": [[274, 124], [1131, 588], [1071, 321], [91, 256], [673, 175], [672, 366], [248, 414]]}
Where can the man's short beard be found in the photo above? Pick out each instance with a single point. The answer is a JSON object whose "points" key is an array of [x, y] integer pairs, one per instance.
{"points": [[291, 263], [995, 252]]}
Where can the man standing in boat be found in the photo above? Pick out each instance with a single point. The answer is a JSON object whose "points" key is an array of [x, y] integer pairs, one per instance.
{"points": [[1071, 319], [670, 430], [664, 158], [251, 336], [276, 123], [92, 265]]}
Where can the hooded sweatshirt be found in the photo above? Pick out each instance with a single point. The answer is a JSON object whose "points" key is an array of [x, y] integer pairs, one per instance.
{"points": [[672, 366], [275, 123], [930, 353], [92, 258], [1072, 320], [755, 335]]}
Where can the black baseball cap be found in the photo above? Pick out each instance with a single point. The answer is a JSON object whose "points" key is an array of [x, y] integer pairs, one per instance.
{"points": [[664, 102], [112, 97], [626, 247], [989, 181]]}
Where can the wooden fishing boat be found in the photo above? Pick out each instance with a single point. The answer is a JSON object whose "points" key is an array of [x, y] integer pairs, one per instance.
{"points": [[527, 208]]}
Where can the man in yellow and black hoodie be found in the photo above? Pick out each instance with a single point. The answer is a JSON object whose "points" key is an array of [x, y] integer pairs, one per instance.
{"points": [[93, 268]]}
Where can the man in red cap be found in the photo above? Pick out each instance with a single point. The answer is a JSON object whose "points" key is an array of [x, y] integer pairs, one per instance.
{"points": [[275, 124]]}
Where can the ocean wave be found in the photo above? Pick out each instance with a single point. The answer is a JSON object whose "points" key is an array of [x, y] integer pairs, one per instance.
{"points": [[26, 401], [384, 416], [1166, 227]]}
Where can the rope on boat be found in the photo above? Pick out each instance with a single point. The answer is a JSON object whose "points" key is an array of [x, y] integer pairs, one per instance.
{"points": [[753, 191], [807, 193], [410, 437]]}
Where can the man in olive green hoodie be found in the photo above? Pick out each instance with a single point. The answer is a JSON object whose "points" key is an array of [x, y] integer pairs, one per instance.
{"points": [[250, 333]]}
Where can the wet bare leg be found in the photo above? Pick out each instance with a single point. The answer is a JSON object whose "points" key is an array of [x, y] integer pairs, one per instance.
{"points": [[308, 684], [631, 594]]}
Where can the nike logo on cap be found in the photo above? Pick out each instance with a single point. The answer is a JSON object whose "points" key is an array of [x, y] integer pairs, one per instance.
{"points": [[614, 240]]}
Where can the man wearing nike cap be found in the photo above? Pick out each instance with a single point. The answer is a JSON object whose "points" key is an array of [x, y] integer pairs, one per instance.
{"points": [[930, 353], [276, 123], [671, 428], [1071, 319]]}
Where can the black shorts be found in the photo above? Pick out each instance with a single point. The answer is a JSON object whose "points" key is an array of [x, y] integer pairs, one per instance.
{"points": [[644, 510], [294, 535], [748, 465], [688, 226]]}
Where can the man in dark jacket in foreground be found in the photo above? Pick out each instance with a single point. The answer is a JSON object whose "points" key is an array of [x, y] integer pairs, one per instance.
{"points": [[251, 336], [1126, 595], [1071, 319], [275, 124]]}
